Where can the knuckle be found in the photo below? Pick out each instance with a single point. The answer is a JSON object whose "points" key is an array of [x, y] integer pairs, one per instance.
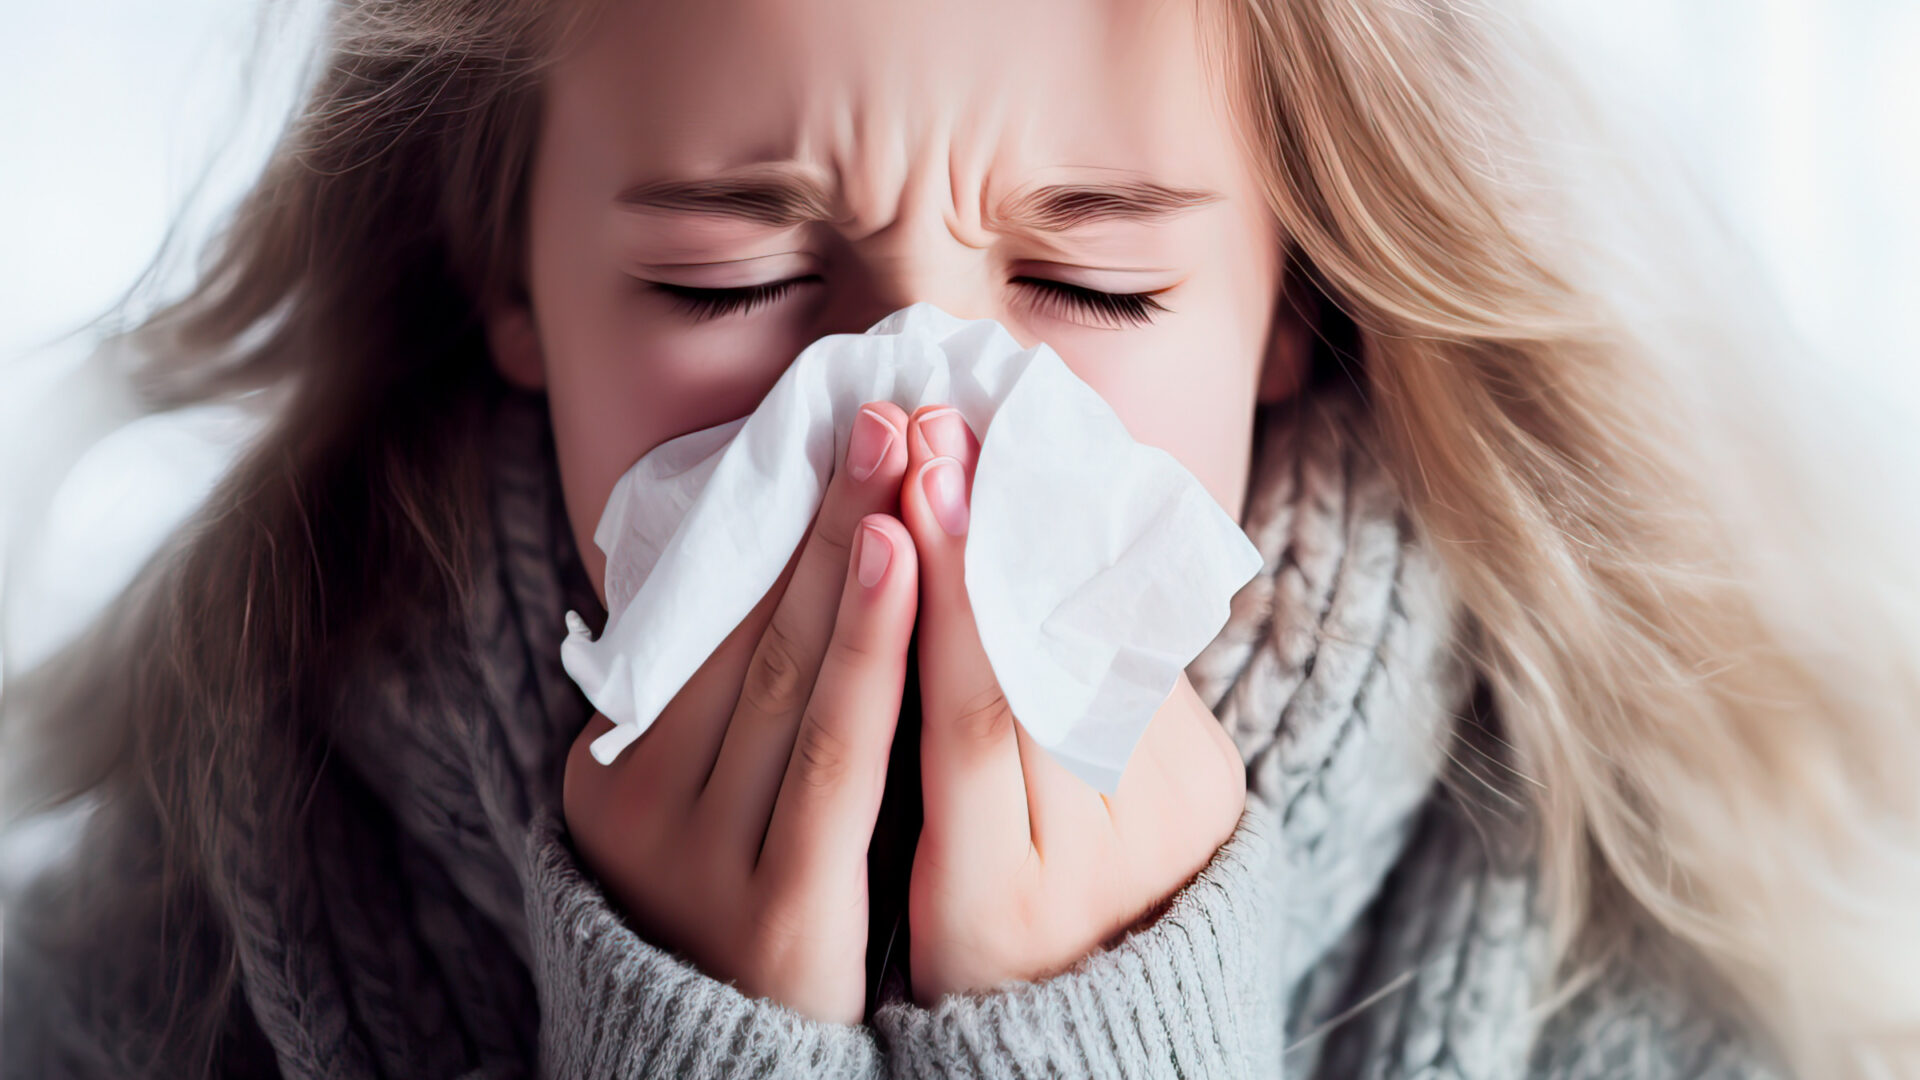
{"points": [[984, 717], [772, 928], [777, 680], [1026, 919], [820, 754], [772, 946], [848, 651], [833, 536]]}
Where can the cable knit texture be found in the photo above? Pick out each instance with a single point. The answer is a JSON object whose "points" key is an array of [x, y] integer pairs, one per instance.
{"points": [[1365, 919]]}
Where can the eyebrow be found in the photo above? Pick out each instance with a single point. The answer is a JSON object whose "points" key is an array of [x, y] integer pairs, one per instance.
{"points": [[1064, 207], [784, 199]]}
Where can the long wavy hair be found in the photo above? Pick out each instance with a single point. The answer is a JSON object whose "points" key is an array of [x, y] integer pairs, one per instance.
{"points": [[1680, 554]]}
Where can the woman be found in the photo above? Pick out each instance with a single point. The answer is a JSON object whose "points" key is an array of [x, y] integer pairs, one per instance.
{"points": [[1571, 742]]}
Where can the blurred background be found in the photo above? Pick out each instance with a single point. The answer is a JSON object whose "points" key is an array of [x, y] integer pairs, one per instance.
{"points": [[129, 122]]}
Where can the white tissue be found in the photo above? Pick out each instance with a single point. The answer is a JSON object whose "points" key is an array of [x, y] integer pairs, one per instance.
{"points": [[1098, 567]]}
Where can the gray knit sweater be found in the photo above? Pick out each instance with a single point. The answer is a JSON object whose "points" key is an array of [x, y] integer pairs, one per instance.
{"points": [[1373, 915]]}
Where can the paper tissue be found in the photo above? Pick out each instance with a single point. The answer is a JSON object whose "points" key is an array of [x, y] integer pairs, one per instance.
{"points": [[1098, 568]]}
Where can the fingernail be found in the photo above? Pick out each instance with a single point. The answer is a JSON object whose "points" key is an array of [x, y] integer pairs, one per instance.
{"points": [[868, 445], [946, 488], [945, 431], [876, 552]]}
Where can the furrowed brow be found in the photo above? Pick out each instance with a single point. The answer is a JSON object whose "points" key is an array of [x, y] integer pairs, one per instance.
{"points": [[784, 199], [1064, 207]]}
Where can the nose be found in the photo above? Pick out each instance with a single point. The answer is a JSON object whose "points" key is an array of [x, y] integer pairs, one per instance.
{"points": [[863, 294], [914, 259]]}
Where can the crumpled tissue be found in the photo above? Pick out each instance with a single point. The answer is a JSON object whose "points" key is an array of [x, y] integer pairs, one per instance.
{"points": [[1098, 567]]}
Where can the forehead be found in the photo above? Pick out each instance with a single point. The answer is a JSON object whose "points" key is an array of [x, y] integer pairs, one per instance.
{"points": [[985, 92]]}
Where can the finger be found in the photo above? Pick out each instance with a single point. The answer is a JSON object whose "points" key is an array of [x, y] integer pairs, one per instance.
{"points": [[585, 784], [753, 751], [672, 756], [972, 789], [1060, 804], [823, 818]]}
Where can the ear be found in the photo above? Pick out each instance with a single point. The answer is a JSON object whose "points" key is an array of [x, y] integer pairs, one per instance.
{"points": [[514, 342], [1296, 319]]}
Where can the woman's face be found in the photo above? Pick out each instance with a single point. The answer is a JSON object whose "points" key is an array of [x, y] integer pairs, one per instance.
{"points": [[718, 184]]}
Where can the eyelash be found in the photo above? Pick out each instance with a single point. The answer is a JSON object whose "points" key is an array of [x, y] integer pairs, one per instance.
{"points": [[1123, 309], [703, 304]]}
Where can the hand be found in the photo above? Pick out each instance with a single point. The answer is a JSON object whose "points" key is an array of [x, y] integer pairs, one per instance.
{"points": [[735, 830], [1022, 868]]}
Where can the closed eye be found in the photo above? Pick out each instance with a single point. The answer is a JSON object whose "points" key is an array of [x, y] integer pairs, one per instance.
{"points": [[1117, 310], [703, 304], [1057, 298]]}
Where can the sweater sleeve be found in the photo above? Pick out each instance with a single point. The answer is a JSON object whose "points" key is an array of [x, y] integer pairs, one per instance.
{"points": [[612, 1004], [1194, 994]]}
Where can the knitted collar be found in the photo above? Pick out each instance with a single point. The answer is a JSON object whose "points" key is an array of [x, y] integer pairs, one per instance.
{"points": [[1336, 673]]}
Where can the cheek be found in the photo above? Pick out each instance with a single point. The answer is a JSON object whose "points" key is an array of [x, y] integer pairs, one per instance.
{"points": [[624, 376], [624, 372], [1187, 387]]}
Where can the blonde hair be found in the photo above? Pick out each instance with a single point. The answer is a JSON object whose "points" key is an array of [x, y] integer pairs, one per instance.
{"points": [[1686, 556], [1700, 640]]}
